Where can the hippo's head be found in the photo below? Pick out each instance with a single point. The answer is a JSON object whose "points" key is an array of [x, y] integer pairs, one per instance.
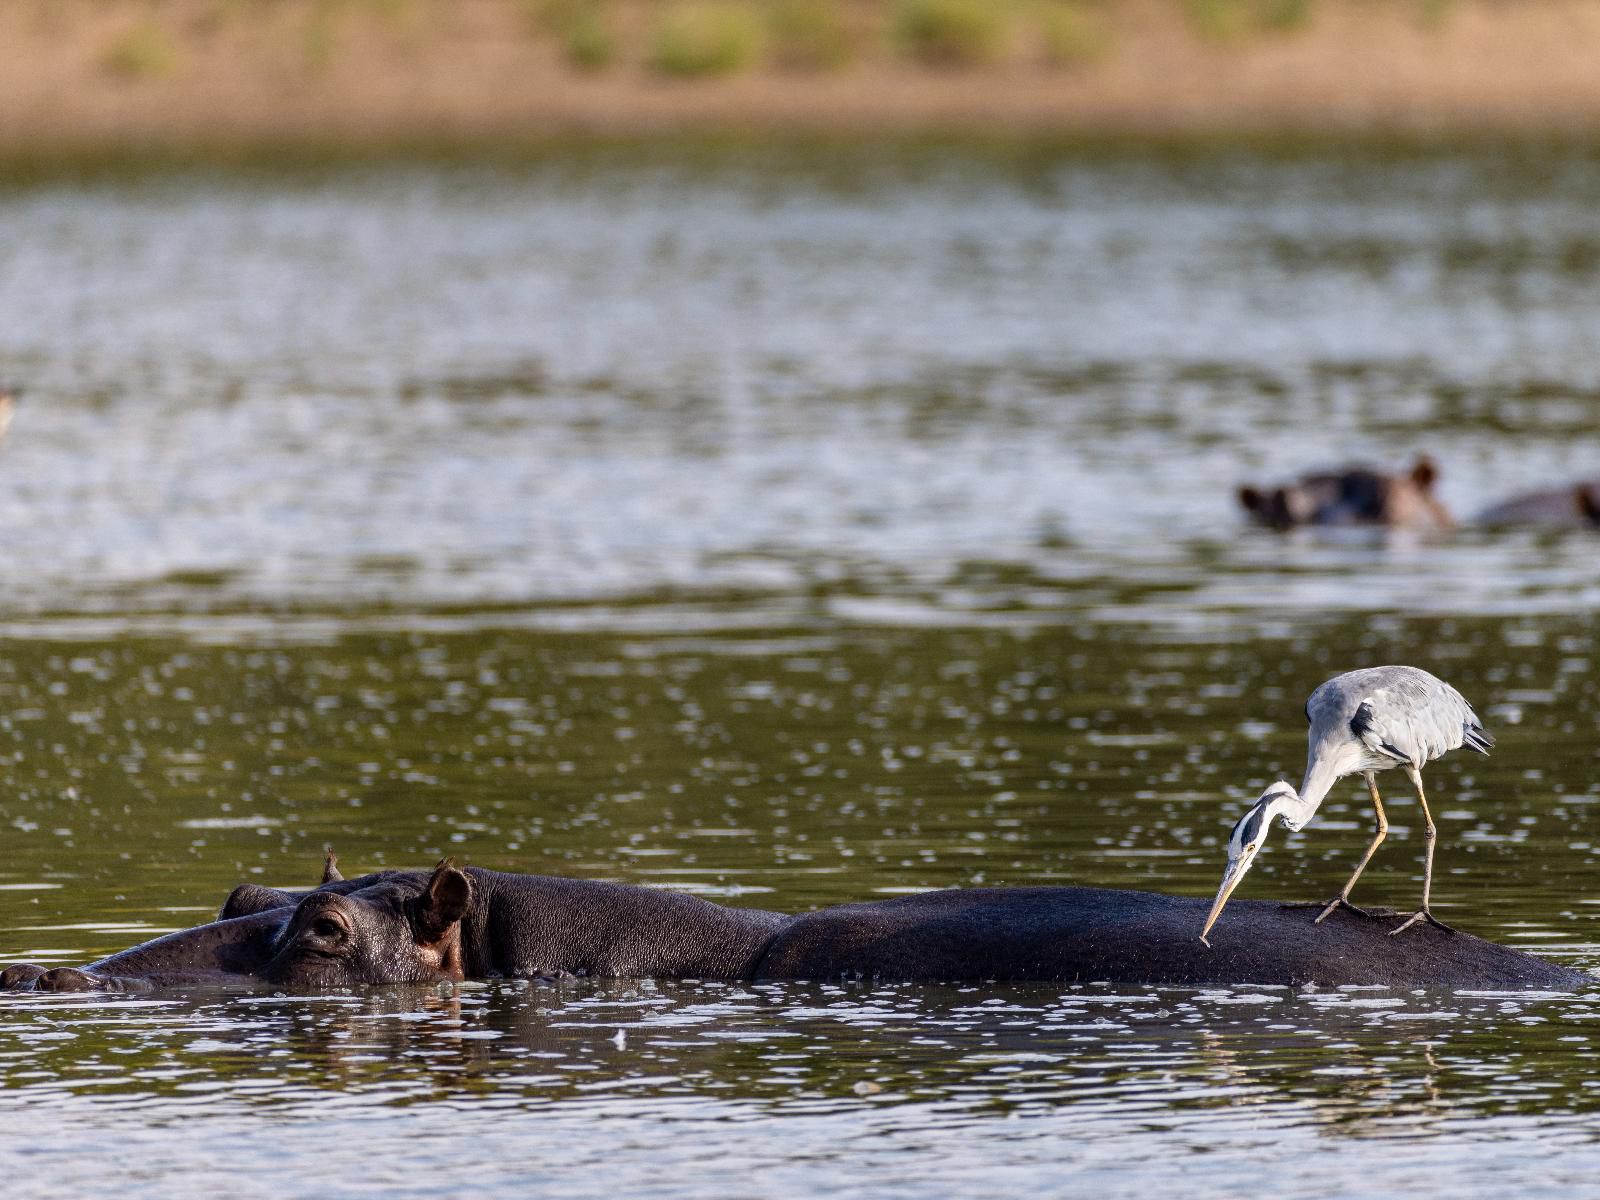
{"points": [[403, 929], [1408, 502], [1352, 496]]}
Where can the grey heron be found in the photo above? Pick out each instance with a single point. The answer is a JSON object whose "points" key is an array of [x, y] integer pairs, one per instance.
{"points": [[1362, 722]]}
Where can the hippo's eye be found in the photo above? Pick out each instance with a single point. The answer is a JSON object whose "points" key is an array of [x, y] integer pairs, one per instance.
{"points": [[326, 927]]}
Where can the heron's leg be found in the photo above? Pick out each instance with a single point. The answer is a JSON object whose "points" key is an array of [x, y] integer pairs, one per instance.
{"points": [[1379, 832], [1431, 835]]}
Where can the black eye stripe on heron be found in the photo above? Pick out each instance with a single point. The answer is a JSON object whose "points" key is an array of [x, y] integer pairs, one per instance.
{"points": [[1249, 826]]}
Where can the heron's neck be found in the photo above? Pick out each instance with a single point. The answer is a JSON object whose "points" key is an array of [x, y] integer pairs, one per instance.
{"points": [[1321, 775]]}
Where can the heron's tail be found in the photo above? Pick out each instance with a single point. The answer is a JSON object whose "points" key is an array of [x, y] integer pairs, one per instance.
{"points": [[1476, 737]]}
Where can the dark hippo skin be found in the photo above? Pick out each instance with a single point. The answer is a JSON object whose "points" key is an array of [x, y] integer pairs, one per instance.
{"points": [[413, 926], [1352, 496], [420, 927], [1576, 506], [250, 898], [1085, 935], [221, 952]]}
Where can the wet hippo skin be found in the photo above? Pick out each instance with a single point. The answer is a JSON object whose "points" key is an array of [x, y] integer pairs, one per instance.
{"points": [[420, 926], [1093, 934], [220, 952], [1575, 506]]}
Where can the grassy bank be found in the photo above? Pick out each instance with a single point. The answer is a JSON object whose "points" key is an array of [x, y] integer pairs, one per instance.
{"points": [[87, 76]]}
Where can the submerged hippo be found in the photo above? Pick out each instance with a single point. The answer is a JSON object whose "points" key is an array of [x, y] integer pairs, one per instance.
{"points": [[460, 923], [1575, 506], [1352, 496]]}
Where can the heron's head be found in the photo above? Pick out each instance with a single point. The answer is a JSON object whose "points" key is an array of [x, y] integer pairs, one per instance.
{"points": [[1245, 842]]}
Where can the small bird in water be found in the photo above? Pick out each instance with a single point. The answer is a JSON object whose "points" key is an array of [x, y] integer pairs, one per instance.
{"points": [[1362, 722]]}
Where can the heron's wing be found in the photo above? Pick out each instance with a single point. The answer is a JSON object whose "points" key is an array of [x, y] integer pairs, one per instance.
{"points": [[1384, 737], [1412, 721]]}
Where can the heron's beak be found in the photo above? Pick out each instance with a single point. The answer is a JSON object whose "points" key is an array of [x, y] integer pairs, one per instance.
{"points": [[1236, 871]]}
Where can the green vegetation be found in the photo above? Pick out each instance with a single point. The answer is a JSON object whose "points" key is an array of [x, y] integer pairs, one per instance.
{"points": [[810, 35], [1220, 20], [950, 33], [320, 41], [589, 43], [144, 52], [1070, 34], [697, 39], [1225, 20], [710, 38], [1282, 16], [584, 29], [1435, 12]]}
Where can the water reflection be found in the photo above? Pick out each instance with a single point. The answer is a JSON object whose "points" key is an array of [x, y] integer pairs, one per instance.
{"points": [[1150, 1072]]}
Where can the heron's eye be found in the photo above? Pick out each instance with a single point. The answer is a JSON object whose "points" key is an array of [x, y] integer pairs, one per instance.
{"points": [[1251, 848]]}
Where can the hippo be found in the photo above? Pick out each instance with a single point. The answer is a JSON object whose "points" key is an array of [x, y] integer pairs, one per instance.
{"points": [[220, 952], [453, 923], [1575, 506], [1352, 496]]}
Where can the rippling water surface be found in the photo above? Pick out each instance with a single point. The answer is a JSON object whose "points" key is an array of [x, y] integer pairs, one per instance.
{"points": [[789, 529]]}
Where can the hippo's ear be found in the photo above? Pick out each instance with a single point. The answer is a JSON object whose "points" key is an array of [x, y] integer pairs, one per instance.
{"points": [[330, 867], [1251, 498], [1424, 473], [1588, 497], [442, 904]]}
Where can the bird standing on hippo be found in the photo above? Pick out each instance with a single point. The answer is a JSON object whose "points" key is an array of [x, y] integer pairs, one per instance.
{"points": [[1362, 722], [455, 923]]}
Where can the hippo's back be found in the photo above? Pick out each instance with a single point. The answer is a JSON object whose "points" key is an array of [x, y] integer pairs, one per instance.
{"points": [[1576, 506], [1074, 934]]}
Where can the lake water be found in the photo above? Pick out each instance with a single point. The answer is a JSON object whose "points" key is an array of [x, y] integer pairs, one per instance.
{"points": [[788, 528]]}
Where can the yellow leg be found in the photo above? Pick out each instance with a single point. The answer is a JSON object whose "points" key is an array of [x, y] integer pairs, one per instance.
{"points": [[1381, 831], [1431, 836]]}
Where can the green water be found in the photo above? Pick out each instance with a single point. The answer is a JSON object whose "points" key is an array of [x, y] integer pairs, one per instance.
{"points": [[788, 769]]}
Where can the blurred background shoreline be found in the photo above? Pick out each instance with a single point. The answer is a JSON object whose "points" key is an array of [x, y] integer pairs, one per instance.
{"points": [[121, 79]]}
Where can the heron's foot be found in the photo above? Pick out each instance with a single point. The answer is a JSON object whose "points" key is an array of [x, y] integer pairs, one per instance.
{"points": [[1424, 915], [1339, 902]]}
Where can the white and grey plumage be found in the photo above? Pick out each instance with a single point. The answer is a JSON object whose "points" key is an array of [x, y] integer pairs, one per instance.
{"points": [[1362, 722]]}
